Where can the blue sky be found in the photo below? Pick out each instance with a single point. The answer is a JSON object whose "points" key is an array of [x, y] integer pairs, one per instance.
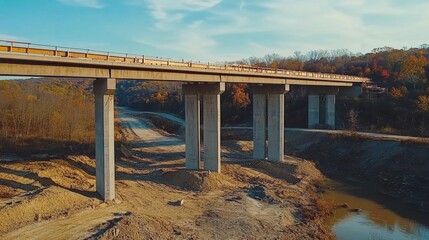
{"points": [[217, 30]]}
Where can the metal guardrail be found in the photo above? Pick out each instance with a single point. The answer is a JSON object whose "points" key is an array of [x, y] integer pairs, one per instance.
{"points": [[71, 52]]}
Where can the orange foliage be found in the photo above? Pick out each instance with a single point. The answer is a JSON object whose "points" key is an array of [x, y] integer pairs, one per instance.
{"points": [[423, 103], [398, 92], [240, 97], [413, 69], [385, 74]]}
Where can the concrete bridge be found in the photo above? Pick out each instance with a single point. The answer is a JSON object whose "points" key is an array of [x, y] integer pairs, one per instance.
{"points": [[201, 83]]}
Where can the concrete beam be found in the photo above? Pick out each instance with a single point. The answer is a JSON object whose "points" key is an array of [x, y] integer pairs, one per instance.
{"points": [[270, 89], [259, 116], [104, 137], [331, 83], [251, 79], [18, 69], [205, 88], [275, 127], [322, 90], [164, 76], [313, 111], [211, 118], [192, 132], [14, 64]]}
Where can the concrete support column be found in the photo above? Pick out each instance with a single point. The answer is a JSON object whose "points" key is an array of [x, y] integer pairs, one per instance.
{"points": [[275, 95], [192, 131], [275, 127], [259, 116], [313, 111], [330, 111], [211, 124], [104, 90], [328, 106], [211, 118]]}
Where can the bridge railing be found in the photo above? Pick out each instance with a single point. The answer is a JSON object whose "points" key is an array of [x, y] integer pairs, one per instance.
{"points": [[90, 54]]}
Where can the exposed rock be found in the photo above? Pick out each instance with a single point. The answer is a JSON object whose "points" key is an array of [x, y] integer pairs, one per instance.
{"points": [[344, 205], [357, 210]]}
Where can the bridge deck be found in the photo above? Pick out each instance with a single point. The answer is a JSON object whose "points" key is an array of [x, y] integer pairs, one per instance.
{"points": [[25, 59]]}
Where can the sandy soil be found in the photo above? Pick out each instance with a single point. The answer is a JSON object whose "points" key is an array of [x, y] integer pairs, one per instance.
{"points": [[55, 199]]}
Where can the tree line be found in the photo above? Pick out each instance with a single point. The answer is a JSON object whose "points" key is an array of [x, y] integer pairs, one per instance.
{"points": [[47, 109], [402, 108]]}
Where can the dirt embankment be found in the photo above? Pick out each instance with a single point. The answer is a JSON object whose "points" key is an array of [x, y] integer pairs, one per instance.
{"points": [[248, 200], [395, 168]]}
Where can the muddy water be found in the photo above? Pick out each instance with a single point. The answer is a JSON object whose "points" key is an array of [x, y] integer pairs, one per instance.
{"points": [[379, 217]]}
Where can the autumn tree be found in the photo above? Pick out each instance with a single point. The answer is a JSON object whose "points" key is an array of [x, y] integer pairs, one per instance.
{"points": [[240, 97], [398, 92], [46, 110], [423, 107], [413, 70]]}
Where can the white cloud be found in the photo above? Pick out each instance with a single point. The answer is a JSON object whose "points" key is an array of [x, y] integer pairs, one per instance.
{"points": [[166, 9], [218, 29], [190, 42], [161, 8], [243, 4], [83, 3]]}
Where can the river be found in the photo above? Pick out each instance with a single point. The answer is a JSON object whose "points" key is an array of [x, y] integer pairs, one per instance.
{"points": [[379, 217]]}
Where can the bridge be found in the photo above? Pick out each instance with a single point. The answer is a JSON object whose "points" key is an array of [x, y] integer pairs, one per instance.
{"points": [[202, 82]]}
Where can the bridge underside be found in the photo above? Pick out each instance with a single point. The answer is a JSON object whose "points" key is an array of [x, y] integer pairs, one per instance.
{"points": [[268, 114]]}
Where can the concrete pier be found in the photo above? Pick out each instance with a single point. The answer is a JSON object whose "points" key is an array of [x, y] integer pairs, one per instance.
{"points": [[323, 112], [104, 90], [313, 111], [210, 93], [330, 111], [259, 125], [192, 131], [276, 127], [275, 96], [211, 118]]}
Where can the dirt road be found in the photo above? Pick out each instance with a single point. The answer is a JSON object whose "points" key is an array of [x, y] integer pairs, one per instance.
{"points": [[55, 199]]}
